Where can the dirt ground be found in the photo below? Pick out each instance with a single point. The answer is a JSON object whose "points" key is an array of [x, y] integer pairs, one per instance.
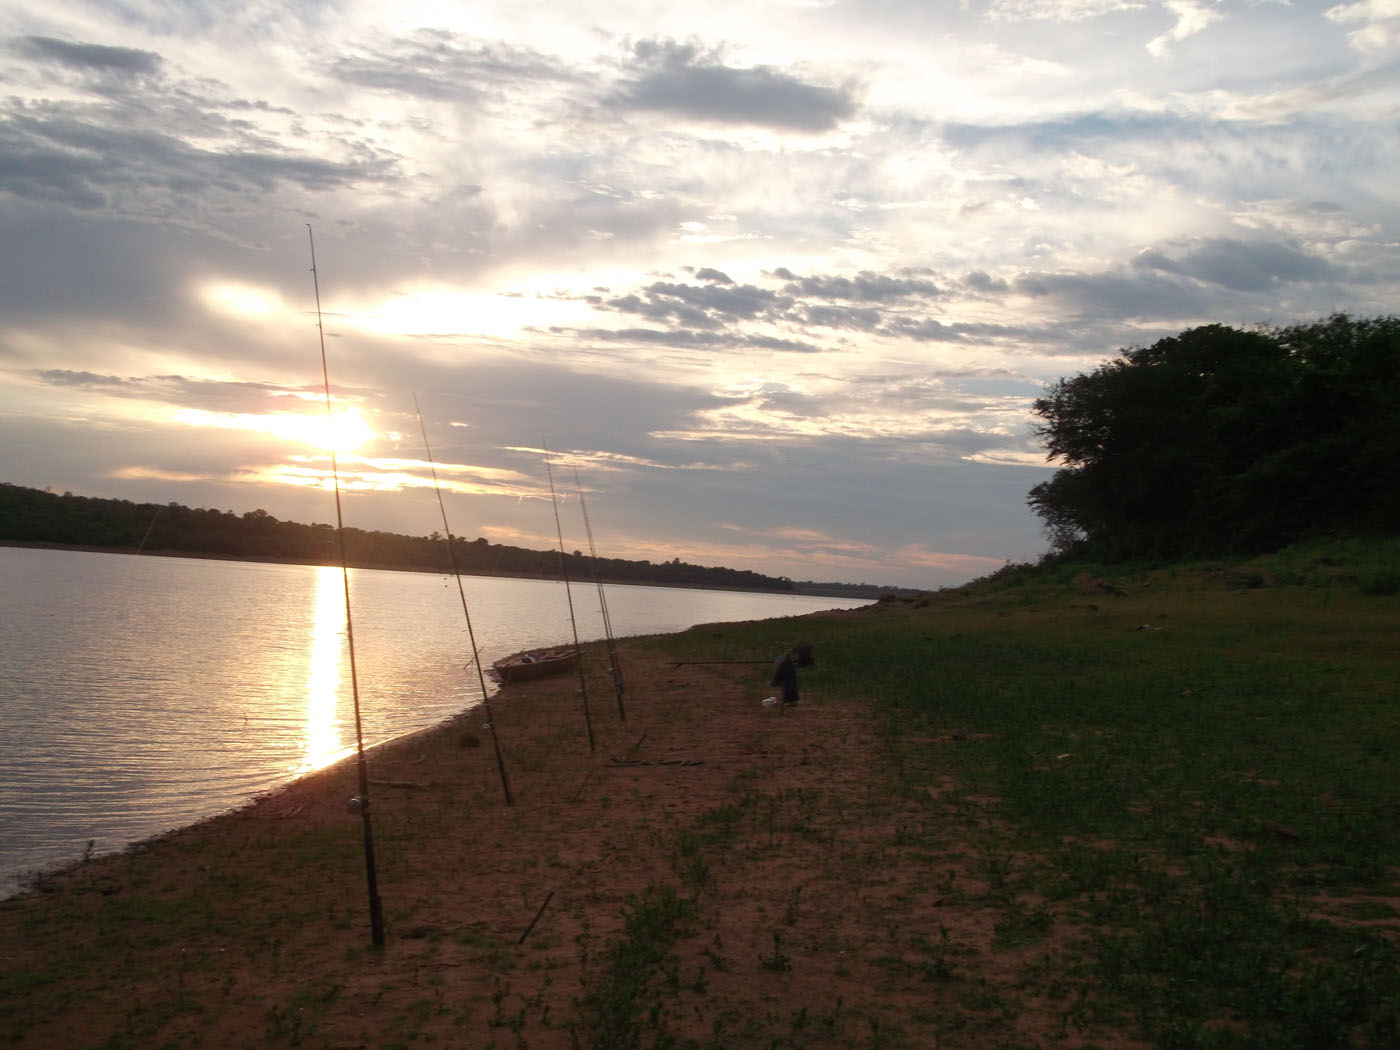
{"points": [[714, 872]]}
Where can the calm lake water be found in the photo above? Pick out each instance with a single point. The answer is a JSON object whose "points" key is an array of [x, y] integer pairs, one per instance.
{"points": [[138, 694]]}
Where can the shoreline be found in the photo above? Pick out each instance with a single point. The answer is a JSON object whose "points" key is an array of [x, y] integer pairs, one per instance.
{"points": [[507, 903], [32, 879], [47, 833], [376, 567]]}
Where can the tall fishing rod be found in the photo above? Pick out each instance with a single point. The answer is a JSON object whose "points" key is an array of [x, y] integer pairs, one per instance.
{"points": [[564, 571], [615, 665], [457, 575], [376, 909]]}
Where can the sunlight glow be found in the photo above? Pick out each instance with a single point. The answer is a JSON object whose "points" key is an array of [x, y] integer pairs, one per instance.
{"points": [[322, 744], [367, 474], [452, 311], [348, 429], [240, 300]]}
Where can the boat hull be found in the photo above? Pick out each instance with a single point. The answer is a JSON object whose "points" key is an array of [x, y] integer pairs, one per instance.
{"points": [[520, 668]]}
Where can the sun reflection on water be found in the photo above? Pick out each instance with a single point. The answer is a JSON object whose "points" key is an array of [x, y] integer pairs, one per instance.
{"points": [[323, 746]]}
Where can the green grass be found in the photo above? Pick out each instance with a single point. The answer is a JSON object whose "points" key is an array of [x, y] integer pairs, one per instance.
{"points": [[620, 1009], [1185, 764]]}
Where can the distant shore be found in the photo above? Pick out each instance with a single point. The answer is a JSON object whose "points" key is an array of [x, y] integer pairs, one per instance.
{"points": [[873, 593]]}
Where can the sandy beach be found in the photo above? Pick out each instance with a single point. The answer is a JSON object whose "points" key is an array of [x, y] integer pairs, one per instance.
{"points": [[716, 873]]}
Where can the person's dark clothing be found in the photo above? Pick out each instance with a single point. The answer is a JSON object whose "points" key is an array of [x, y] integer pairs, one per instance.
{"points": [[785, 675]]}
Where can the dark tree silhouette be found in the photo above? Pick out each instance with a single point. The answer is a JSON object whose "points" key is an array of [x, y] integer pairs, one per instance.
{"points": [[1219, 440]]}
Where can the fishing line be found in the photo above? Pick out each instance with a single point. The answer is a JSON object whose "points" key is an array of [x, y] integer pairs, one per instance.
{"points": [[564, 572], [456, 574], [376, 909], [616, 664]]}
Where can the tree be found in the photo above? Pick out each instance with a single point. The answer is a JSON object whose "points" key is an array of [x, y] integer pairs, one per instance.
{"points": [[1221, 440]]}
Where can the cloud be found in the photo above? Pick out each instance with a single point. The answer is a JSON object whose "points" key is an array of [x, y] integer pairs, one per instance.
{"points": [[92, 157], [865, 287], [1380, 24], [1123, 296], [1247, 266], [98, 57], [717, 276], [684, 80], [981, 282], [192, 393], [1057, 10], [438, 65], [682, 338], [1192, 17], [699, 306]]}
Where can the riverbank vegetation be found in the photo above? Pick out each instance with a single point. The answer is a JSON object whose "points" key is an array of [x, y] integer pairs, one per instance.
{"points": [[34, 516], [1223, 441], [1067, 806]]}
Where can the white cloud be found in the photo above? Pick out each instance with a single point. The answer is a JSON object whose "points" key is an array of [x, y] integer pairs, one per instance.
{"points": [[1058, 10], [1380, 24], [1192, 17]]}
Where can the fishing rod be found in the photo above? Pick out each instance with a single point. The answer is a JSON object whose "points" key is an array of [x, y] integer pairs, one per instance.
{"points": [[616, 664], [456, 574], [376, 909], [564, 572], [154, 518]]}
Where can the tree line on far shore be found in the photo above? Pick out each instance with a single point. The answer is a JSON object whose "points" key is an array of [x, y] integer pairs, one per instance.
{"points": [[29, 515], [1222, 441]]}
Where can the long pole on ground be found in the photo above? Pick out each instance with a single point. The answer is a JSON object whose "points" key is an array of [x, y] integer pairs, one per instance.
{"points": [[564, 572], [376, 909], [457, 575], [615, 665]]}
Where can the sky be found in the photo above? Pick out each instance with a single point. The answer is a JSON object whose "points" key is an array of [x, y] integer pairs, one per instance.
{"points": [[776, 282]]}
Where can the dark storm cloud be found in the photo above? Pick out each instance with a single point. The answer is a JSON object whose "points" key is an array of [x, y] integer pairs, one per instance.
{"points": [[1239, 265], [684, 80], [125, 60], [438, 65]]}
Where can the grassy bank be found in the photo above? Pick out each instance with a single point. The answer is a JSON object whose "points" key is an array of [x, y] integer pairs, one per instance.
{"points": [[1157, 807]]}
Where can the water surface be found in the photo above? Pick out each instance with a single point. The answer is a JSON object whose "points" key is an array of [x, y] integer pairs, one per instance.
{"points": [[139, 694]]}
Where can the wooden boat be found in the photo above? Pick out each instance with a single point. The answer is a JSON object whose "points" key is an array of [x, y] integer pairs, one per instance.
{"points": [[523, 667]]}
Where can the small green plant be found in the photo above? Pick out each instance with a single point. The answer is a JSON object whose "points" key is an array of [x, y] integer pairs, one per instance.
{"points": [[714, 954], [777, 960], [617, 1007]]}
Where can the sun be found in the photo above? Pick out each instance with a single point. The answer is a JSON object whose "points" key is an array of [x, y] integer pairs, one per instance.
{"points": [[345, 431]]}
